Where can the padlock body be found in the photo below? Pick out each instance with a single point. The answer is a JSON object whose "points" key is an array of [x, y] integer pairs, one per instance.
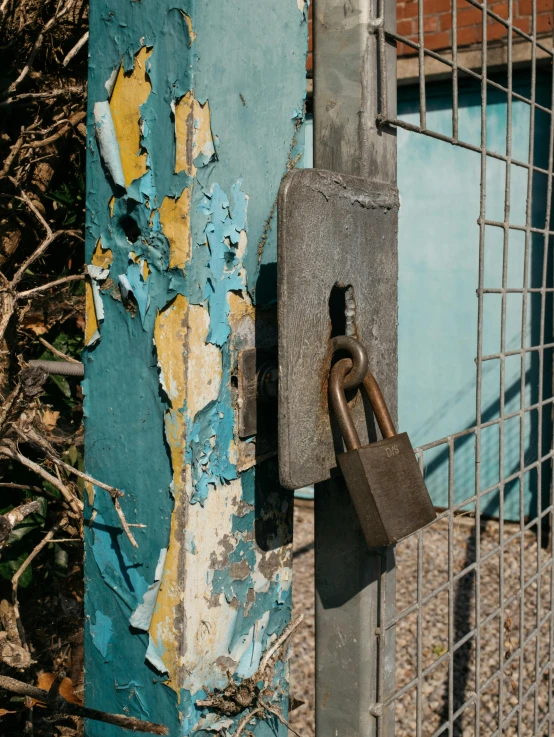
{"points": [[387, 489]]}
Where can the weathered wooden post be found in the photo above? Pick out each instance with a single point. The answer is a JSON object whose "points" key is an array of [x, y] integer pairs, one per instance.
{"points": [[194, 117]]}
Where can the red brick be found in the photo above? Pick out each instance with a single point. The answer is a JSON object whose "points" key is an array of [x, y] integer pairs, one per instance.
{"points": [[469, 17], [445, 21], [526, 6], [431, 7], [410, 10], [496, 31], [524, 24], [544, 23], [405, 27], [468, 36], [440, 40], [430, 24], [501, 9]]}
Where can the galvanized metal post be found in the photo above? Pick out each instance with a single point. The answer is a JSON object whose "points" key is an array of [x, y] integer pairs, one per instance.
{"points": [[195, 112], [354, 655]]}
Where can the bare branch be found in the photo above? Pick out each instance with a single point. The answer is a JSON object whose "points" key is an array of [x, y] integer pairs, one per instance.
{"points": [[21, 570], [16, 148], [36, 46], [74, 120], [75, 50], [9, 520], [112, 491], [33, 96], [280, 641], [61, 706], [50, 285], [75, 504], [279, 716], [247, 718], [56, 352]]}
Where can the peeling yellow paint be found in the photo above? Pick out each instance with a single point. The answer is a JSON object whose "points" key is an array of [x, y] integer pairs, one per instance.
{"points": [[175, 220], [170, 333], [191, 370], [188, 21], [102, 257], [193, 133], [91, 321], [89, 488], [205, 368], [111, 205], [129, 93], [239, 307]]}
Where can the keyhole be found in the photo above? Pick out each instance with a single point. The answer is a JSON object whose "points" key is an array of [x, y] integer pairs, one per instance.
{"points": [[341, 310]]}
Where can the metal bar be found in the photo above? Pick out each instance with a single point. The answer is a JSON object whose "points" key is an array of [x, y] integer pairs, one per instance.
{"points": [[354, 653], [534, 450], [470, 72], [440, 137]]}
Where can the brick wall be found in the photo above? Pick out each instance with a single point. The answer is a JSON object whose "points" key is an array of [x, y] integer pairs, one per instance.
{"points": [[438, 23]]}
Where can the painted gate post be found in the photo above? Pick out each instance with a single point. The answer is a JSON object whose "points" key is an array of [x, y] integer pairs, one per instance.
{"points": [[195, 114]]}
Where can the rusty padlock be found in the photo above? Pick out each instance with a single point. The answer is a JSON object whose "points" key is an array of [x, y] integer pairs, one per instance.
{"points": [[383, 478]]}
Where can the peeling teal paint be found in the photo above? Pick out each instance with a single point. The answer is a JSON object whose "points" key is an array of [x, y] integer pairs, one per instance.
{"points": [[101, 633], [252, 82]]}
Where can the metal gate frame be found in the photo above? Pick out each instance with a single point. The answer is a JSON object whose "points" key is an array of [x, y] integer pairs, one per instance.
{"points": [[359, 138]]}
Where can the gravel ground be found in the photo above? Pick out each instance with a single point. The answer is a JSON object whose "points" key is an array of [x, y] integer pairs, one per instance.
{"points": [[498, 639]]}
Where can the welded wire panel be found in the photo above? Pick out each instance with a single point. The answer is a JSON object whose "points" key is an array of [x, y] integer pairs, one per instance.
{"points": [[473, 623]]}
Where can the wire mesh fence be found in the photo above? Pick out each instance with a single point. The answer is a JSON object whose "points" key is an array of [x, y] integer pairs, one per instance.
{"points": [[473, 624]]}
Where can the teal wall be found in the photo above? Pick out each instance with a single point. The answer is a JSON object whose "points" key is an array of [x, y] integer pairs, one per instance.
{"points": [[438, 276], [182, 250]]}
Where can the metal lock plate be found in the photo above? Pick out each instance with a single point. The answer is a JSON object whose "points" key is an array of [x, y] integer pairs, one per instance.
{"points": [[333, 231], [387, 489]]}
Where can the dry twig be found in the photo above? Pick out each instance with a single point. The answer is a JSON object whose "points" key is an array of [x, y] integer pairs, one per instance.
{"points": [[58, 705]]}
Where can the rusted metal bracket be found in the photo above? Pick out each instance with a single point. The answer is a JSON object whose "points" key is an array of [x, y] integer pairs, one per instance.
{"points": [[336, 234], [257, 401]]}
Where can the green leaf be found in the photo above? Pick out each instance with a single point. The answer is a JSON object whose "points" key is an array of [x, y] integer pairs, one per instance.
{"points": [[73, 455], [62, 384], [8, 568]]}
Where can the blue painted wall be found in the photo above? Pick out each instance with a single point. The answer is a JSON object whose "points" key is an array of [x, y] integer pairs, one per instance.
{"points": [[185, 156], [438, 276]]}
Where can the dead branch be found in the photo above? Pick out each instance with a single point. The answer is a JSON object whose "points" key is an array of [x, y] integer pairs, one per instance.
{"points": [[74, 503], [56, 352], [279, 642], [112, 491], [75, 50], [36, 46], [247, 718], [13, 652], [73, 121], [248, 695], [9, 520], [34, 96], [280, 717], [21, 570], [50, 285], [60, 706]]}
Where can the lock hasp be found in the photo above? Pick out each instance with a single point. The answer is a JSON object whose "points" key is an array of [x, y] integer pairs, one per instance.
{"points": [[333, 230], [387, 490]]}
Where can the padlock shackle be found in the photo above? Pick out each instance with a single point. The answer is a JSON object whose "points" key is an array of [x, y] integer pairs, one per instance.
{"points": [[339, 405]]}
